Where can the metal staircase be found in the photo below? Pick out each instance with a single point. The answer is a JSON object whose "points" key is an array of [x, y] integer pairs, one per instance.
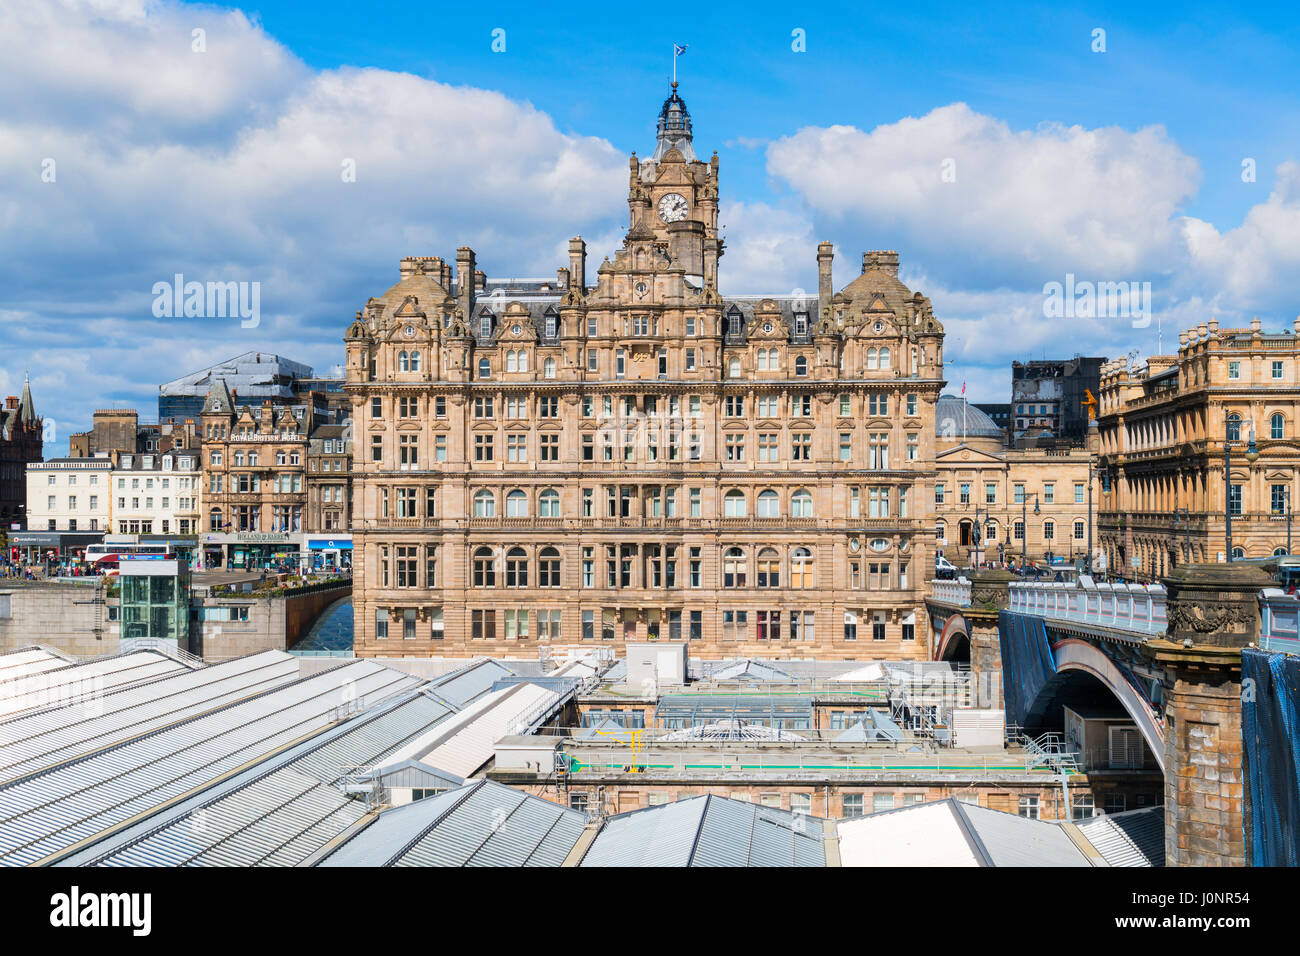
{"points": [[1050, 750]]}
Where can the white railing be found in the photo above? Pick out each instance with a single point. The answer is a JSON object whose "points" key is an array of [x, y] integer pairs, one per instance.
{"points": [[1124, 607], [955, 592], [1279, 621]]}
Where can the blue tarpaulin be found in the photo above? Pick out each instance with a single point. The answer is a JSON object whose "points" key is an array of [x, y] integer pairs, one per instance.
{"points": [[1027, 663], [1270, 721]]}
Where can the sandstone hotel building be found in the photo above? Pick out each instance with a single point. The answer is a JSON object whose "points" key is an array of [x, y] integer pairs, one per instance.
{"points": [[568, 462]]}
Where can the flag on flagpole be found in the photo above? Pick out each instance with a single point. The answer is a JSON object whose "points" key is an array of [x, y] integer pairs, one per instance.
{"points": [[963, 388], [679, 49]]}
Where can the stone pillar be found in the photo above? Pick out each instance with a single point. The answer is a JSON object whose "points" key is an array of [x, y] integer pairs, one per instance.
{"points": [[1213, 614], [988, 596]]}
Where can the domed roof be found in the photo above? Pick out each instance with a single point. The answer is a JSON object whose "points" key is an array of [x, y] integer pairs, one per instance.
{"points": [[955, 417]]}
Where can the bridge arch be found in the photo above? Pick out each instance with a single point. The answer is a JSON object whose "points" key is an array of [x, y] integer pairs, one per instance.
{"points": [[954, 640], [1076, 657]]}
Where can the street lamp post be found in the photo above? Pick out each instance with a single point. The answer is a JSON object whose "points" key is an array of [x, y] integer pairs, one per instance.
{"points": [[1252, 455], [1024, 526]]}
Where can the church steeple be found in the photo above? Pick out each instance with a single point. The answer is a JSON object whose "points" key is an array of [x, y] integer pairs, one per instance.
{"points": [[674, 128], [26, 407]]}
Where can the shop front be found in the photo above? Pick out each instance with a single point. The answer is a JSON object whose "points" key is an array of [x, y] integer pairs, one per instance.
{"points": [[251, 551], [51, 549], [330, 554]]}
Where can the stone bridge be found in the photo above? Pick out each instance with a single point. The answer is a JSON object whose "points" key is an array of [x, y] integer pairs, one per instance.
{"points": [[1169, 654]]}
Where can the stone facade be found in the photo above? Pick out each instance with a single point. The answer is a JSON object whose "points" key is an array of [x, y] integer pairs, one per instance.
{"points": [[553, 462], [1162, 432], [1006, 490], [21, 438]]}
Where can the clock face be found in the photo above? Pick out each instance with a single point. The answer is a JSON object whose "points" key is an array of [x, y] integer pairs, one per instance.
{"points": [[409, 331], [673, 207]]}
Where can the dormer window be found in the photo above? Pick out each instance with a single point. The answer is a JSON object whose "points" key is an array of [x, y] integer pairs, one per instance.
{"points": [[801, 323], [552, 324], [733, 321], [485, 326]]}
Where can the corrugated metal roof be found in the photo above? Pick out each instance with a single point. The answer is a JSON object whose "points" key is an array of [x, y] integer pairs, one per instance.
{"points": [[56, 687], [1133, 838], [1012, 840], [471, 681], [36, 739], [27, 661], [291, 808], [51, 811], [466, 742], [952, 833], [481, 824], [708, 831]]}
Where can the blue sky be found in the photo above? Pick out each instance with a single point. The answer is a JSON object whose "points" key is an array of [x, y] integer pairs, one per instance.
{"points": [[223, 164]]}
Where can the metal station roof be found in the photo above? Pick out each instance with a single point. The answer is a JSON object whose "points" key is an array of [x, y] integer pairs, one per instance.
{"points": [[481, 824], [471, 681], [1132, 838], [283, 811], [58, 686], [34, 740], [711, 708], [466, 742], [708, 831], [951, 833], [46, 814], [26, 661]]}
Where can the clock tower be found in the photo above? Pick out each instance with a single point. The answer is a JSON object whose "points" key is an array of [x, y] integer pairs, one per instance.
{"points": [[673, 198]]}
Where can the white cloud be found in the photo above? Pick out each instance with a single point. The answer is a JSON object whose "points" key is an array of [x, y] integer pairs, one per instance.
{"points": [[984, 205], [227, 164]]}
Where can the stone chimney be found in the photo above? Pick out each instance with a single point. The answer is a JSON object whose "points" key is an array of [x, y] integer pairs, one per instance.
{"points": [[825, 287], [881, 260], [578, 263], [465, 281]]}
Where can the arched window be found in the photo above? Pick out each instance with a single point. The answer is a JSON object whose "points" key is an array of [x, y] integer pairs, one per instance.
{"points": [[1080, 529], [548, 568], [733, 568], [1234, 427], [1238, 553], [281, 458], [769, 568], [801, 568], [485, 570], [873, 359], [773, 359], [1049, 530], [415, 361], [402, 365], [485, 504], [549, 504], [769, 504], [214, 519], [484, 368], [1276, 426], [733, 505], [517, 504], [801, 504], [940, 532], [733, 368], [1278, 552], [801, 366], [884, 358], [521, 359], [516, 568], [548, 368], [512, 362], [762, 360], [252, 459]]}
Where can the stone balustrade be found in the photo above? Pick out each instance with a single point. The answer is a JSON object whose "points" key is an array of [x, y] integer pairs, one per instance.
{"points": [[1124, 607], [955, 592]]}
